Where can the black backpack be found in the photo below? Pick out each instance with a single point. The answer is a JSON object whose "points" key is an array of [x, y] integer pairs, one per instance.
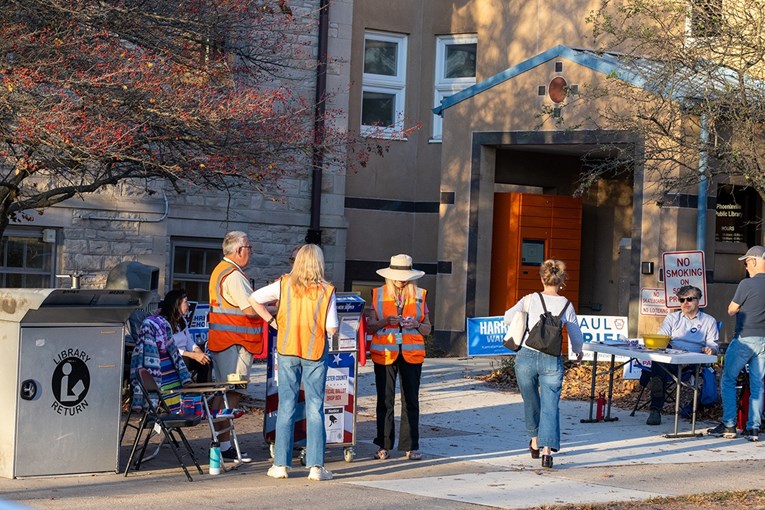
{"points": [[547, 335]]}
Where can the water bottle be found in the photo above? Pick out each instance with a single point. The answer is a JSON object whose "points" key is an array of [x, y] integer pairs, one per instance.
{"points": [[215, 458]]}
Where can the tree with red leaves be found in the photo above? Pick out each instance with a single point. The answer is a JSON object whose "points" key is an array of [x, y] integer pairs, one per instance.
{"points": [[96, 92]]}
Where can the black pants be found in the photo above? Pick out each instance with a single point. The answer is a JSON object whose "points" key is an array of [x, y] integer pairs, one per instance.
{"points": [[202, 371], [385, 380]]}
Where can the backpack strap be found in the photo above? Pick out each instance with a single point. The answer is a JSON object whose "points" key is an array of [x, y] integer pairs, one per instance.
{"points": [[544, 306], [564, 309]]}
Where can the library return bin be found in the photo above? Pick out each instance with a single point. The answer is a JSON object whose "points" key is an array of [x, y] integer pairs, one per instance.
{"points": [[60, 379]]}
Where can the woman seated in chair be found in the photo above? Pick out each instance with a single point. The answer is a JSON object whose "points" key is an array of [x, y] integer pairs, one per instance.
{"points": [[175, 307], [156, 351]]}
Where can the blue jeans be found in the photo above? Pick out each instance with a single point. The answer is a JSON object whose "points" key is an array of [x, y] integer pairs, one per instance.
{"points": [[540, 378], [743, 350], [314, 377]]}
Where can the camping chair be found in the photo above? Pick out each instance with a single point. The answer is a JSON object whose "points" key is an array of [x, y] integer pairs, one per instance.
{"points": [[669, 387], [157, 416]]}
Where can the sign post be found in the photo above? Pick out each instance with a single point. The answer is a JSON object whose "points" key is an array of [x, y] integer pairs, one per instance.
{"points": [[683, 268]]}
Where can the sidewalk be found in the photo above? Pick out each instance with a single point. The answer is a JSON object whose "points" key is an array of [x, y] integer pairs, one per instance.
{"points": [[487, 427], [475, 455]]}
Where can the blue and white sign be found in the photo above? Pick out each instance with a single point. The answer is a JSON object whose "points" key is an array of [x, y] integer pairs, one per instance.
{"points": [[600, 328], [485, 336], [198, 322], [606, 328]]}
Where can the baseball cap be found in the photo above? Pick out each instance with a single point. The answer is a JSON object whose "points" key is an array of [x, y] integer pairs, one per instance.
{"points": [[757, 252]]}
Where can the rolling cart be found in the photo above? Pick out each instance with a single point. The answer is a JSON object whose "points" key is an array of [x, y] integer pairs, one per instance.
{"points": [[340, 395]]}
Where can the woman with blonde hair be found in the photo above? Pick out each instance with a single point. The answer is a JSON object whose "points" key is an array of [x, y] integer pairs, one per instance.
{"points": [[399, 322], [540, 375], [307, 313]]}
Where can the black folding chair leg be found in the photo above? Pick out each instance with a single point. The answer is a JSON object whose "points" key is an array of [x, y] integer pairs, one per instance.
{"points": [[143, 449], [190, 450], [141, 426], [127, 424], [637, 402], [177, 453]]}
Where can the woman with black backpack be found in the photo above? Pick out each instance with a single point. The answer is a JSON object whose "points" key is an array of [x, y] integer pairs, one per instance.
{"points": [[539, 362]]}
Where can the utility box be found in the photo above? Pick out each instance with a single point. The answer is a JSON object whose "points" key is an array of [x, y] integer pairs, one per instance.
{"points": [[61, 355]]}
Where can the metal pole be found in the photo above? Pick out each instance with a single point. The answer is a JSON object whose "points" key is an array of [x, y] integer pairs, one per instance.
{"points": [[313, 235], [701, 204]]}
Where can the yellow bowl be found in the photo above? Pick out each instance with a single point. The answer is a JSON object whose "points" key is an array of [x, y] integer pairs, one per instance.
{"points": [[656, 341]]}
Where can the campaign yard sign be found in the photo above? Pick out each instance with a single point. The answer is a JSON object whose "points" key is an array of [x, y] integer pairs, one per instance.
{"points": [[485, 336], [600, 328]]}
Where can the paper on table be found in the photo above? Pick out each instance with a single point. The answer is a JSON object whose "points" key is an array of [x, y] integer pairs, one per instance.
{"points": [[615, 342]]}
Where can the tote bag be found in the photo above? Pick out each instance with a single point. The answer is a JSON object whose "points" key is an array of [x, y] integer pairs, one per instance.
{"points": [[515, 330]]}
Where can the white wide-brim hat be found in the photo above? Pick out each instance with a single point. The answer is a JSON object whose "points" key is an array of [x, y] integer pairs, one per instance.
{"points": [[400, 269]]}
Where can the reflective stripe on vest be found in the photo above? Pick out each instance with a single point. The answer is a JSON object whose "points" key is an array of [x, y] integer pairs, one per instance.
{"points": [[228, 325], [302, 320], [383, 349]]}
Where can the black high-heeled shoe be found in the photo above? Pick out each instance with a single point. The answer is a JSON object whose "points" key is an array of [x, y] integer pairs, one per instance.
{"points": [[533, 451], [547, 461]]}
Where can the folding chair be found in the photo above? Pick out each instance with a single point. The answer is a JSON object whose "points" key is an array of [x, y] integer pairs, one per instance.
{"points": [[127, 402], [669, 388], [157, 416]]}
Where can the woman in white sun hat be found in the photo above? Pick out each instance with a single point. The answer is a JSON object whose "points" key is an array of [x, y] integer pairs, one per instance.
{"points": [[399, 324]]}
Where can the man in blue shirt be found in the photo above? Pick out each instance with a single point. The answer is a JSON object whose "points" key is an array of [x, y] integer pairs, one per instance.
{"points": [[747, 347], [691, 330]]}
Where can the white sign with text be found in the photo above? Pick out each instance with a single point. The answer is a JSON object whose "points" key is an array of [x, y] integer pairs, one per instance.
{"points": [[683, 268], [652, 302]]}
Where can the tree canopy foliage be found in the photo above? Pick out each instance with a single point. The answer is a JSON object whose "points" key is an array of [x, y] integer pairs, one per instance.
{"points": [[702, 68], [94, 92]]}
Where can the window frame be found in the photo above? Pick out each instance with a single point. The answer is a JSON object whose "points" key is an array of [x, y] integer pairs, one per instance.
{"points": [[35, 234], [177, 279], [444, 87], [394, 85]]}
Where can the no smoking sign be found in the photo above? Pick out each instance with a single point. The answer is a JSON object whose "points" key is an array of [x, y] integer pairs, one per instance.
{"points": [[683, 268]]}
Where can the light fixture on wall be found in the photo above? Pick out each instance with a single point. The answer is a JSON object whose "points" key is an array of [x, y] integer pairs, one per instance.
{"points": [[646, 267]]}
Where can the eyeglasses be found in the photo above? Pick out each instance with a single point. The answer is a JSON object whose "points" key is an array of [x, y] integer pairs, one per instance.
{"points": [[247, 246], [687, 299]]}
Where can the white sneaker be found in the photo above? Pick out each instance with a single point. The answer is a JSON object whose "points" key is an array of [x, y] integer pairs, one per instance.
{"points": [[279, 472], [319, 473]]}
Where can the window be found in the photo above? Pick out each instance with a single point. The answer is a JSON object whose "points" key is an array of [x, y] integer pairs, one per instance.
{"points": [[705, 18], [384, 83], [193, 262], [455, 70], [27, 261]]}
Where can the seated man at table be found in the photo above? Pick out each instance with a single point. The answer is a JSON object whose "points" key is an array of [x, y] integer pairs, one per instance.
{"points": [[691, 330]]}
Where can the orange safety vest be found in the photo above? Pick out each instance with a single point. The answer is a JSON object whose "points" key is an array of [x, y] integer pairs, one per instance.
{"points": [[384, 349], [302, 320], [228, 325]]}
